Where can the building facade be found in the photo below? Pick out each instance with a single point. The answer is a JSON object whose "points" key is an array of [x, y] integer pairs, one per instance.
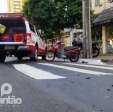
{"points": [[104, 20], [15, 6], [99, 5]]}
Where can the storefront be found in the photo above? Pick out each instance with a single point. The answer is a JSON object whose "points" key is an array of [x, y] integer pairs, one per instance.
{"points": [[105, 21]]}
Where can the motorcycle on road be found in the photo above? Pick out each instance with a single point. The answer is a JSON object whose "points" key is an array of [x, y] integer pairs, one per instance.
{"points": [[70, 52]]}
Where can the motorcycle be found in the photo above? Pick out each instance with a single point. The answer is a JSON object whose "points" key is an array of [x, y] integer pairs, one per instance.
{"points": [[70, 52], [95, 48]]}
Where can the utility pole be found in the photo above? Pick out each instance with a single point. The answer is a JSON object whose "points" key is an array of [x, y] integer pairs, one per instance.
{"points": [[86, 5], [84, 29]]}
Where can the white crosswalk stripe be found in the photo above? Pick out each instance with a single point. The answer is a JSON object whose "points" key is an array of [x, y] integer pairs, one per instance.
{"points": [[80, 70], [35, 72], [91, 66]]}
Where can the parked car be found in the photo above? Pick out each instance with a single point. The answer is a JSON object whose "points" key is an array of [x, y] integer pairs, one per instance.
{"points": [[19, 38]]}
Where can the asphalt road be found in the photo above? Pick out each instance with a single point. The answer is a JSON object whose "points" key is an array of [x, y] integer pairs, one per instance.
{"points": [[58, 86]]}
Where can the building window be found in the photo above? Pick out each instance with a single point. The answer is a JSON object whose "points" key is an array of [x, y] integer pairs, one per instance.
{"points": [[97, 2]]}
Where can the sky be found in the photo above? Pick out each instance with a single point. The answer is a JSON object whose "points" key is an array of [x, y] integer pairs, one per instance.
{"points": [[3, 6]]}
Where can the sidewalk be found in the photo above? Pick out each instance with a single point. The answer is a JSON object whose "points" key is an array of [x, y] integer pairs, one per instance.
{"points": [[108, 58], [100, 60], [83, 61]]}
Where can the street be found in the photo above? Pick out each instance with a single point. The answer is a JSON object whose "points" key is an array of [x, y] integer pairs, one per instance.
{"points": [[58, 86]]}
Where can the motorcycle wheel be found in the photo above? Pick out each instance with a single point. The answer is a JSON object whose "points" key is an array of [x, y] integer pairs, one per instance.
{"points": [[50, 56], [74, 58], [95, 52]]}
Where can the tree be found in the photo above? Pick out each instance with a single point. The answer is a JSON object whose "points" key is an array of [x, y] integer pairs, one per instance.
{"points": [[53, 15]]}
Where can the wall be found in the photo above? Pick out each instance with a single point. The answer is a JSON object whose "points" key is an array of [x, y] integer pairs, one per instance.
{"points": [[15, 5], [104, 4]]}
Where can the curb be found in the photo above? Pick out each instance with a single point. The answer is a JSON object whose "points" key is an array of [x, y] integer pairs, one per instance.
{"points": [[107, 60], [92, 61]]}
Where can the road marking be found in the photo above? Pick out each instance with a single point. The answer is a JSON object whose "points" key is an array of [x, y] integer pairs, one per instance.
{"points": [[35, 72], [76, 69], [92, 66]]}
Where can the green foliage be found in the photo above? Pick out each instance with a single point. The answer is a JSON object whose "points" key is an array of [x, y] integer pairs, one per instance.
{"points": [[53, 15]]}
